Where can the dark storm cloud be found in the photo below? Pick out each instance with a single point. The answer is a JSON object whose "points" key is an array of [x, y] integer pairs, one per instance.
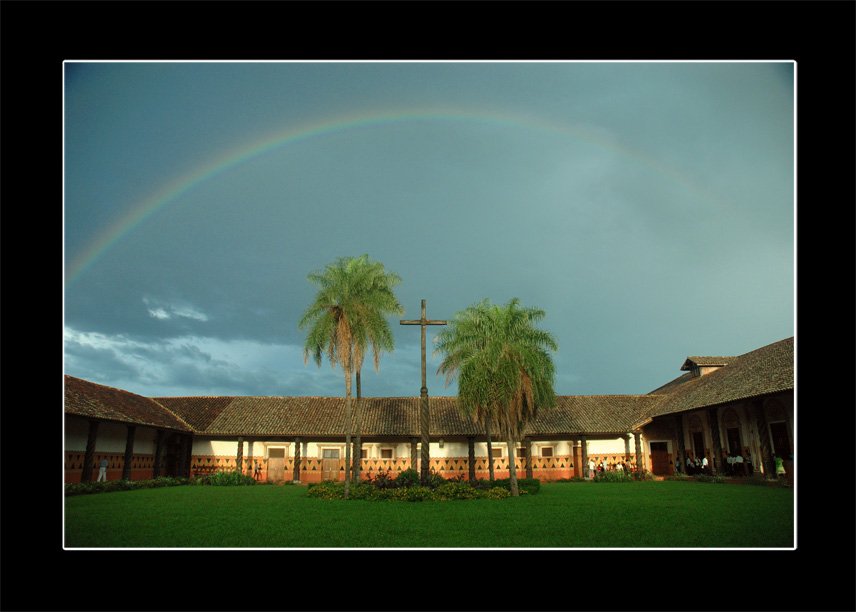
{"points": [[625, 200]]}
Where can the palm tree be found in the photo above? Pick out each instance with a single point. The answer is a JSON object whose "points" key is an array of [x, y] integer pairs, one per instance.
{"points": [[347, 316], [504, 369]]}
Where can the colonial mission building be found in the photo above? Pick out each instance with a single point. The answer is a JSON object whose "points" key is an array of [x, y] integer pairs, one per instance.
{"points": [[719, 406]]}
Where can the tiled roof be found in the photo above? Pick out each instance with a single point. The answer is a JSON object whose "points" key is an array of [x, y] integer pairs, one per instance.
{"points": [[314, 416], [706, 361], [393, 416], [769, 369], [592, 414], [91, 400]]}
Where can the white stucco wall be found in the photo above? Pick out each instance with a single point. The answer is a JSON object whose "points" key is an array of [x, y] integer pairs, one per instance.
{"points": [[111, 438], [400, 450]]}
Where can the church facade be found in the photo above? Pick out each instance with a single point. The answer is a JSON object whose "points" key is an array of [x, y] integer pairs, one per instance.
{"points": [[719, 408]]}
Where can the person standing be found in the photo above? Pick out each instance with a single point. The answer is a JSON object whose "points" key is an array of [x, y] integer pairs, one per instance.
{"points": [[738, 465], [780, 467], [102, 471]]}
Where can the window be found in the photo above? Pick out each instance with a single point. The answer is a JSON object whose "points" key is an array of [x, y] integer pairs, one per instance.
{"points": [[546, 451], [386, 453], [496, 452], [331, 453]]}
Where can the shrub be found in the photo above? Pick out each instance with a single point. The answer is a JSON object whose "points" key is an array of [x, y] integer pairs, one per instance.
{"points": [[524, 485], [680, 476], [326, 490], [366, 491], [418, 494], [643, 475], [235, 478], [89, 488], [434, 480], [456, 490], [359, 491], [408, 478], [761, 480], [615, 476], [382, 480], [497, 493]]}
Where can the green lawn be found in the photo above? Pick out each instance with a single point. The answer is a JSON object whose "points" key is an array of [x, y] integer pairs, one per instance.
{"points": [[564, 515]]}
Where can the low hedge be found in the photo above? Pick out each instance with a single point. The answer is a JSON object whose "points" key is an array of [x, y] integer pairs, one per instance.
{"points": [[621, 476], [407, 487], [218, 479], [89, 488], [524, 485], [417, 493]]}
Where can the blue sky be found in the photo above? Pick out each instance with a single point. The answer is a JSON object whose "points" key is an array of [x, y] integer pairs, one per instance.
{"points": [[648, 208]]}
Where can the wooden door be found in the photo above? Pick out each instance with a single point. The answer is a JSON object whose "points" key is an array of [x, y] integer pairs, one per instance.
{"points": [[276, 465], [781, 440], [698, 445], [330, 464], [660, 459], [734, 445]]}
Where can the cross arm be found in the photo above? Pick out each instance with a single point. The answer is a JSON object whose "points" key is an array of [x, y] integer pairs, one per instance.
{"points": [[423, 322]]}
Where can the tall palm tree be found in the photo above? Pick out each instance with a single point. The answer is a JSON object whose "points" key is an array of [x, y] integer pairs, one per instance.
{"points": [[504, 368], [347, 316]]}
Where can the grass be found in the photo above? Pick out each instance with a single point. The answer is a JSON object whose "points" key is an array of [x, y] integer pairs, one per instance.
{"points": [[567, 515]]}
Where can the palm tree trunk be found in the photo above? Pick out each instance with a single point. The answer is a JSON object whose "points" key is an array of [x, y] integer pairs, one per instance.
{"points": [[512, 469], [358, 443], [347, 429]]}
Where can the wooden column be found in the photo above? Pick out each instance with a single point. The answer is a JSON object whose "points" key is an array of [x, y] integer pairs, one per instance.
{"points": [[157, 472], [713, 420], [489, 448], [584, 446], [239, 459], [414, 454], [640, 455], [187, 452], [471, 456], [89, 455], [766, 461], [296, 474], [527, 450], [677, 420], [129, 453]]}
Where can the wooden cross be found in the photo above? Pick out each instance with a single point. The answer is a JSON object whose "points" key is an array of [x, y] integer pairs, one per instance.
{"points": [[423, 413]]}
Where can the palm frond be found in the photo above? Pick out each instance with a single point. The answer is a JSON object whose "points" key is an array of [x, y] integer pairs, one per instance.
{"points": [[502, 363]]}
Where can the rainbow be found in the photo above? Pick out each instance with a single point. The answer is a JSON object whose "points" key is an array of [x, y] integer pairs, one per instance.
{"points": [[185, 183]]}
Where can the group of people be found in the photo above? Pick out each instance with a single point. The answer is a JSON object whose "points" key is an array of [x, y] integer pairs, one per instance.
{"points": [[736, 465], [612, 466], [695, 466]]}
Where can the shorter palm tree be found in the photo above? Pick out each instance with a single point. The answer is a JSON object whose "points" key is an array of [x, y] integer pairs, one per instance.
{"points": [[503, 365]]}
